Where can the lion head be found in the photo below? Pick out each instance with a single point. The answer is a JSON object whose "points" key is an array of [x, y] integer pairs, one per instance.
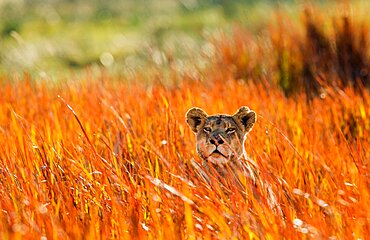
{"points": [[220, 138]]}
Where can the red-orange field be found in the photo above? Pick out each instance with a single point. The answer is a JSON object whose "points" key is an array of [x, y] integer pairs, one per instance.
{"points": [[98, 159]]}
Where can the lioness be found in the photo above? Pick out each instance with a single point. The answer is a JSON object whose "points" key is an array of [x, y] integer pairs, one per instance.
{"points": [[220, 138], [220, 143]]}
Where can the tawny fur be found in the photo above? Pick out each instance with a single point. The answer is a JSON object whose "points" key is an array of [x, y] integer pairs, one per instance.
{"points": [[220, 144]]}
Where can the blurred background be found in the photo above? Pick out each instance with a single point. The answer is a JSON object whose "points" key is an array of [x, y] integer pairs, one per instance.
{"points": [[57, 37]]}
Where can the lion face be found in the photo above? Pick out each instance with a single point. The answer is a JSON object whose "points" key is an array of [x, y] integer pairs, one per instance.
{"points": [[220, 138]]}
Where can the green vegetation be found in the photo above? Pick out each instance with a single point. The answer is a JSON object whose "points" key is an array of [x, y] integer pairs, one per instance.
{"points": [[280, 41], [51, 37]]}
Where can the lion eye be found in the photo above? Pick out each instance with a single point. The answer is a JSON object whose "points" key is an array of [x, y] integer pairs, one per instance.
{"points": [[207, 129], [230, 130]]}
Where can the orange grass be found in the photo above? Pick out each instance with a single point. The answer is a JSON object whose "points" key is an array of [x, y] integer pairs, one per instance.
{"points": [[109, 160]]}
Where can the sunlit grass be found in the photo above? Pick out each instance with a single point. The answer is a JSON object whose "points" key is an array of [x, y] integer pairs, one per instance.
{"points": [[101, 160]]}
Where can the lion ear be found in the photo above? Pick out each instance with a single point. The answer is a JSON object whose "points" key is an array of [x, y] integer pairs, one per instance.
{"points": [[195, 117], [246, 118]]}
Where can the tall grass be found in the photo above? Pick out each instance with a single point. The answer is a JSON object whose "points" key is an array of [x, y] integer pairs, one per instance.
{"points": [[309, 55], [100, 160]]}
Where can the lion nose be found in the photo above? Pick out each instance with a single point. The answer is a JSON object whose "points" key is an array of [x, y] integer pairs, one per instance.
{"points": [[216, 140]]}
